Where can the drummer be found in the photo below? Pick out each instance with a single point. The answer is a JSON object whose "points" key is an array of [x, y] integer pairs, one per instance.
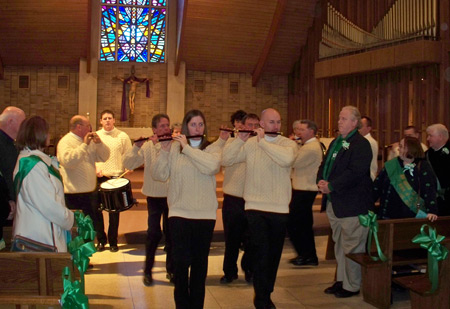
{"points": [[119, 143]]}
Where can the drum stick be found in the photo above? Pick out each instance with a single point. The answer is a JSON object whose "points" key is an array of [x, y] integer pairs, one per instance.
{"points": [[123, 174]]}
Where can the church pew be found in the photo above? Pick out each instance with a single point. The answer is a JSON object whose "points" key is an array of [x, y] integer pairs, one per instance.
{"points": [[32, 278], [395, 241], [419, 285]]}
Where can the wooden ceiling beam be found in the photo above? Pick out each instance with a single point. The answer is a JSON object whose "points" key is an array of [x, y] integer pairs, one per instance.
{"points": [[1, 69], [181, 18], [89, 38], [276, 21]]}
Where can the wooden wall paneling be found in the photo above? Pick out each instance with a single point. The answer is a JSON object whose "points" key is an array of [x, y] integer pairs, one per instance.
{"points": [[392, 114], [402, 117], [321, 109], [436, 89], [324, 103], [421, 114], [444, 104], [374, 114], [429, 90], [358, 93], [432, 108], [415, 101], [329, 101], [2, 69]]}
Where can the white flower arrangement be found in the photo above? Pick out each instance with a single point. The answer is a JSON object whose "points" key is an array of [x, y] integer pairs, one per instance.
{"points": [[345, 145], [445, 150]]}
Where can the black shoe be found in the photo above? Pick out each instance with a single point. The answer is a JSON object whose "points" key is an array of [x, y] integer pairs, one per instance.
{"points": [[271, 305], [148, 280], [228, 279], [113, 248], [100, 247], [336, 287], [294, 259], [248, 276], [170, 277], [311, 261], [343, 293]]}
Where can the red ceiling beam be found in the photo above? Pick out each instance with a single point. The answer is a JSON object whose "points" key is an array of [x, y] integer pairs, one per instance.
{"points": [[276, 21]]}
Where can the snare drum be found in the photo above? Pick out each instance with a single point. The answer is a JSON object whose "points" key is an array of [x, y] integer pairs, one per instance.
{"points": [[116, 195]]}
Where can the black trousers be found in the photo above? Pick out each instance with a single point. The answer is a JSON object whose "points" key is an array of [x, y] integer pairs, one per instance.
{"points": [[300, 223], [267, 233], [235, 227], [157, 207], [191, 240], [4, 204], [114, 217], [88, 203]]}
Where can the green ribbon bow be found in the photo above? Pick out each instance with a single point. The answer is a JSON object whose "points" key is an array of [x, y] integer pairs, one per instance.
{"points": [[81, 252], [85, 226], [73, 296], [436, 252], [370, 221]]}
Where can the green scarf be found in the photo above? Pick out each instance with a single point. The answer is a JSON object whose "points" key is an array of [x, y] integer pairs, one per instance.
{"points": [[26, 164], [332, 154], [401, 185]]}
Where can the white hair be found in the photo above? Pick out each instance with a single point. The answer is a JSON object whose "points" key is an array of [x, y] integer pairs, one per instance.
{"points": [[439, 128]]}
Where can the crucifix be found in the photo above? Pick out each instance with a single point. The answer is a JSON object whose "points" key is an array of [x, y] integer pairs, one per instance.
{"points": [[133, 81]]}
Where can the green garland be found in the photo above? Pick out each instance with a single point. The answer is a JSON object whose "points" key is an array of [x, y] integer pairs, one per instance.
{"points": [[370, 221], [436, 253], [81, 248]]}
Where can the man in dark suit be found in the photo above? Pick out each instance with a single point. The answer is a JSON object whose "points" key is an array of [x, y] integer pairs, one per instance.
{"points": [[439, 157], [10, 121], [344, 179]]}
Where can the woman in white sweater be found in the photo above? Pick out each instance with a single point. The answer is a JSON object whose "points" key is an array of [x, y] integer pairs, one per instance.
{"points": [[191, 165], [41, 212]]}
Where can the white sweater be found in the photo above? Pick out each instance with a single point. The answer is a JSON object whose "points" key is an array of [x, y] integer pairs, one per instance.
{"points": [[234, 177], [118, 143], [267, 174], [374, 163], [146, 155], [306, 165], [77, 162], [192, 186]]}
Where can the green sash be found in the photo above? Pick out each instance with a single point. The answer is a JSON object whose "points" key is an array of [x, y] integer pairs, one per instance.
{"points": [[401, 185], [26, 164]]}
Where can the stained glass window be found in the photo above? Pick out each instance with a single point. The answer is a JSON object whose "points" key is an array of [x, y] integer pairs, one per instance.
{"points": [[133, 30]]}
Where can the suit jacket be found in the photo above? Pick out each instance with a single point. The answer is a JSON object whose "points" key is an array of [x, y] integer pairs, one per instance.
{"points": [[349, 178]]}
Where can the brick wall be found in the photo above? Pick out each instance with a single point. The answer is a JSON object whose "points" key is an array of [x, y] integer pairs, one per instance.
{"points": [[58, 105], [217, 103], [44, 97], [109, 95]]}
